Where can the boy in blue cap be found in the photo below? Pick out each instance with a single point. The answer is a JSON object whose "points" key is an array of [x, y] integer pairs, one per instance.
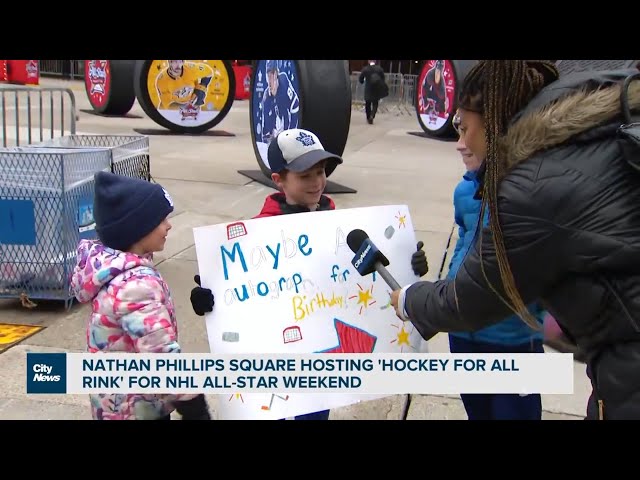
{"points": [[300, 166]]}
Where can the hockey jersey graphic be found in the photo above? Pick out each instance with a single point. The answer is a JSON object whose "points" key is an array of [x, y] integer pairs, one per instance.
{"points": [[278, 112], [188, 89]]}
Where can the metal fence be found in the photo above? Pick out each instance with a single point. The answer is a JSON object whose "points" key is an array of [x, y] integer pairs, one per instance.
{"points": [[402, 94], [47, 187], [34, 114], [71, 69]]}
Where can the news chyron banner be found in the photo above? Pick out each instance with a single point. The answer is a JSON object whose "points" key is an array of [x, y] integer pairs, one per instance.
{"points": [[286, 284], [278, 378]]}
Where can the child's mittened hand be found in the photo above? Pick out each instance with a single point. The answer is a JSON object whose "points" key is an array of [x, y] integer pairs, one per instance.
{"points": [[194, 409], [201, 298], [419, 261]]}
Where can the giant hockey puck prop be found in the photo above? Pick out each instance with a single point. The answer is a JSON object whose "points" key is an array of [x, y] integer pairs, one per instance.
{"points": [[185, 96], [436, 94], [314, 95], [109, 86]]}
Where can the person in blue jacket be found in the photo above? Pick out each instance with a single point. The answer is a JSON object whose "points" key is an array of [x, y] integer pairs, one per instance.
{"points": [[511, 335]]}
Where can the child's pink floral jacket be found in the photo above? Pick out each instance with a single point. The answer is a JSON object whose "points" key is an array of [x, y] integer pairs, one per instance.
{"points": [[132, 311]]}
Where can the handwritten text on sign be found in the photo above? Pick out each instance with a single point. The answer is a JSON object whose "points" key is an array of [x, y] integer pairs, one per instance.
{"points": [[286, 284]]}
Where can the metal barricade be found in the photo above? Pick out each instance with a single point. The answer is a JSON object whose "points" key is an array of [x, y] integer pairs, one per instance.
{"points": [[46, 207], [47, 189], [34, 114], [409, 83], [70, 69], [392, 103], [401, 98], [357, 91]]}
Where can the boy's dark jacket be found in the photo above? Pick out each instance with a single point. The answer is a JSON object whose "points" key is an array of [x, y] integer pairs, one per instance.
{"points": [[276, 204]]}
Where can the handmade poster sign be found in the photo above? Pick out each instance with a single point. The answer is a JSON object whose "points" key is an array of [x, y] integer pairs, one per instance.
{"points": [[287, 284]]}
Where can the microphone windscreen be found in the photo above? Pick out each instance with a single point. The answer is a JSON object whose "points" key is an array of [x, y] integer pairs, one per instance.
{"points": [[355, 239]]}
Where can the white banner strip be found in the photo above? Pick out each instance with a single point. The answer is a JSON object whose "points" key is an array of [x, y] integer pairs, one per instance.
{"points": [[379, 374]]}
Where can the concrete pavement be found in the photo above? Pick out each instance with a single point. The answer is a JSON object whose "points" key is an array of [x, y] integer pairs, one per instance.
{"points": [[382, 161]]}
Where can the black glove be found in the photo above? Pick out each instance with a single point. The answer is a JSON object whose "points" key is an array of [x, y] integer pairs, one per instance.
{"points": [[419, 261], [194, 409], [201, 298]]}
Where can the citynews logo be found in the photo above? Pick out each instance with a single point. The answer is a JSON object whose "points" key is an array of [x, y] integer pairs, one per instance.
{"points": [[362, 256], [43, 373], [46, 373]]}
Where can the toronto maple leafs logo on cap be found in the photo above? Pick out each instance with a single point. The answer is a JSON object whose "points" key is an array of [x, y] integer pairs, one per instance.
{"points": [[305, 139], [298, 150]]}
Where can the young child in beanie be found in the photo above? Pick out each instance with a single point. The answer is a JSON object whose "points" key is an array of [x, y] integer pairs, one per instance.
{"points": [[132, 309], [300, 166]]}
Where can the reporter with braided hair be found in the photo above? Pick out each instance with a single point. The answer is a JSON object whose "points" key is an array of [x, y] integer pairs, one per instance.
{"points": [[563, 197]]}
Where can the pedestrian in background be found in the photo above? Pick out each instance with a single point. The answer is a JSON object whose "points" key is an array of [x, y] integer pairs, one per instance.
{"points": [[375, 88]]}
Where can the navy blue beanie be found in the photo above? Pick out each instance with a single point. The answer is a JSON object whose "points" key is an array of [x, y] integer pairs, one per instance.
{"points": [[127, 209]]}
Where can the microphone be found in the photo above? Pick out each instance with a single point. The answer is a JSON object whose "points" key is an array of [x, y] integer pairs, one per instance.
{"points": [[368, 258]]}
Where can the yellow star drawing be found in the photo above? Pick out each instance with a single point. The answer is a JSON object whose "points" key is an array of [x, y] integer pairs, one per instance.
{"points": [[364, 296], [403, 337], [402, 219]]}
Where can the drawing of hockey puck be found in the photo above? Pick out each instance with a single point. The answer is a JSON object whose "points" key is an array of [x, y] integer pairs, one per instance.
{"points": [[436, 94], [185, 96], [389, 231], [314, 95], [230, 337], [109, 85]]}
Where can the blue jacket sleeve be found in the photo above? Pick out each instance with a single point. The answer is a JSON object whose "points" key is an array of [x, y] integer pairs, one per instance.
{"points": [[469, 302], [461, 231]]}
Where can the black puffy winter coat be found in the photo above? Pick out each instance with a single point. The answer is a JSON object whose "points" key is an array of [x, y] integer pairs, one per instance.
{"points": [[569, 209], [375, 86]]}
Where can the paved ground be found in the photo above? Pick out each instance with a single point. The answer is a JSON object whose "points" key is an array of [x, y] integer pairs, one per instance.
{"points": [[383, 162]]}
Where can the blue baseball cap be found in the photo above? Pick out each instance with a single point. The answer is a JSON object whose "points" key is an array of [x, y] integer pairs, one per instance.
{"points": [[298, 150]]}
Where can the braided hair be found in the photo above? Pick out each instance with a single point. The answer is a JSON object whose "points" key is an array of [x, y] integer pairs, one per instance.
{"points": [[498, 89]]}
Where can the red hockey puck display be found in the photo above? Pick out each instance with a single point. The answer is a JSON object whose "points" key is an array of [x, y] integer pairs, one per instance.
{"points": [[109, 85], [97, 79], [436, 94]]}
